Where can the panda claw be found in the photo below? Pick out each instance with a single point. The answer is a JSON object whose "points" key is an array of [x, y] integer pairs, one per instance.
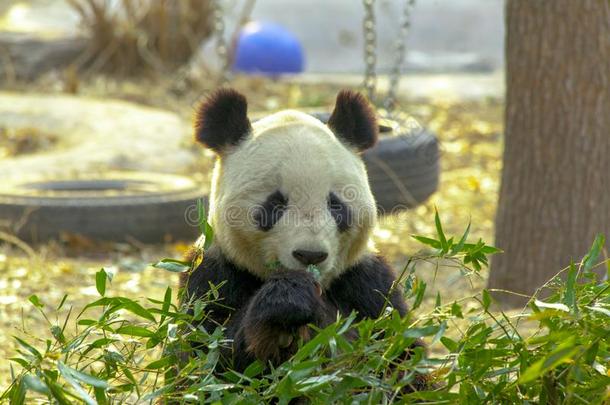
{"points": [[318, 289], [285, 340]]}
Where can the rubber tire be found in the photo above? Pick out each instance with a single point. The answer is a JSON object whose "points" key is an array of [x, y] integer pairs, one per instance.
{"points": [[403, 170], [39, 212], [403, 167]]}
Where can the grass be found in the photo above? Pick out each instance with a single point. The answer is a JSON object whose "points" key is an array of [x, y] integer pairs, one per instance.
{"points": [[21, 141]]}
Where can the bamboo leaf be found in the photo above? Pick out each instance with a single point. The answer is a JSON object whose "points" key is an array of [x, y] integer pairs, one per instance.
{"points": [[100, 282], [563, 353], [427, 241], [591, 258], [36, 301], [133, 330], [440, 233], [172, 265], [570, 292], [66, 372], [551, 305]]}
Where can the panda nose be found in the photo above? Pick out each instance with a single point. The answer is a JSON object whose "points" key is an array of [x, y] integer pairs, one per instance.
{"points": [[308, 257]]}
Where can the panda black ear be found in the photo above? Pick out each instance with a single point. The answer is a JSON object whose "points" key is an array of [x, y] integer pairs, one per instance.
{"points": [[353, 120], [222, 120]]}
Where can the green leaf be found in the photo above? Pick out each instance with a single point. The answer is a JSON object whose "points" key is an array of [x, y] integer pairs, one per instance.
{"points": [[58, 333], [161, 363], [17, 393], [167, 302], [57, 392], [563, 353], [458, 248], [486, 299], [35, 384], [100, 396], [66, 372], [88, 378], [131, 378], [137, 309], [198, 308], [175, 266], [36, 301], [63, 300], [100, 282], [599, 309], [591, 353], [427, 241], [216, 387], [201, 216], [28, 347], [421, 332], [204, 227], [209, 236], [117, 303], [254, 369], [450, 344], [22, 362], [133, 330], [440, 333], [570, 292], [486, 249], [102, 342], [86, 322], [420, 289], [551, 305], [440, 233], [456, 310], [591, 258]]}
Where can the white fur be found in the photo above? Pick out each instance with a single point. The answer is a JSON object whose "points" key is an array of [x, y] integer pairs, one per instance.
{"points": [[295, 153]]}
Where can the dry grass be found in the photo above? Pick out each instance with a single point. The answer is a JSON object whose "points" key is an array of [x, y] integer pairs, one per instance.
{"points": [[20, 141], [132, 36]]}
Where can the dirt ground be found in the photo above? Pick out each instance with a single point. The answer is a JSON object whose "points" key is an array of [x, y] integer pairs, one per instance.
{"points": [[470, 137]]}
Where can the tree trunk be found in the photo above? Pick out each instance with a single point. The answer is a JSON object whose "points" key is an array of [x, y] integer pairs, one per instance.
{"points": [[555, 192]]}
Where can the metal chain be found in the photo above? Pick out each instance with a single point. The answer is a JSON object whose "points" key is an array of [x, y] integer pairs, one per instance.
{"points": [[218, 26], [400, 52], [370, 53], [370, 49]]}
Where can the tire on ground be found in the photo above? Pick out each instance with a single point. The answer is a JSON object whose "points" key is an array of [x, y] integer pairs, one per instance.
{"points": [[403, 170], [119, 206]]}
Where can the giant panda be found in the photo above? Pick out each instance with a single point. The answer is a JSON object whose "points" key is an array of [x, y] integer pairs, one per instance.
{"points": [[288, 192]]}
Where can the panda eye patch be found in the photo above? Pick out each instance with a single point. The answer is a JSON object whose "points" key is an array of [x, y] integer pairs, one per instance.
{"points": [[339, 211], [270, 211]]}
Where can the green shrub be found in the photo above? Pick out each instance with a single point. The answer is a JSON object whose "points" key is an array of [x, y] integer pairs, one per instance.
{"points": [[117, 350]]}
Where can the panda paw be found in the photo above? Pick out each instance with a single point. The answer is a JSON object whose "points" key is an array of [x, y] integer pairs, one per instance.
{"points": [[278, 315], [287, 300]]}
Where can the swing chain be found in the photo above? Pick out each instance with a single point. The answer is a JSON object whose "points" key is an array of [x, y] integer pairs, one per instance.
{"points": [[370, 49], [221, 44], [400, 52], [370, 53]]}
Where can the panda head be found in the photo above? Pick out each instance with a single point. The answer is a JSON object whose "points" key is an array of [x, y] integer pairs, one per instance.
{"points": [[289, 191]]}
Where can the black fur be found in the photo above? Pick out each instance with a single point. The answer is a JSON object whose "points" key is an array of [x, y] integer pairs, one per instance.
{"points": [[365, 287], [260, 315], [340, 212], [270, 211], [354, 120], [222, 120]]}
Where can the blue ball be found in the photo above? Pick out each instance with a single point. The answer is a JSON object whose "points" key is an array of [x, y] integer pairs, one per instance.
{"points": [[267, 49]]}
